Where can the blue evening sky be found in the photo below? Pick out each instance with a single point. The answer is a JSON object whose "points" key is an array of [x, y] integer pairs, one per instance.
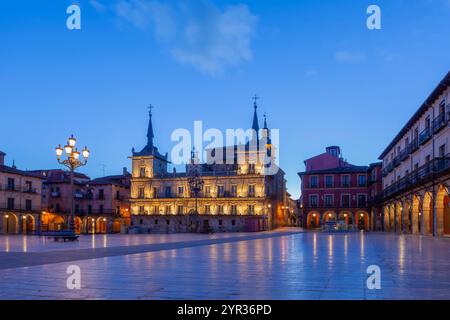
{"points": [[323, 77]]}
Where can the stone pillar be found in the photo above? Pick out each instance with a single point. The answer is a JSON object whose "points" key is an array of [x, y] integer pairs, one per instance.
{"points": [[402, 217], [438, 214], [395, 217], [415, 216], [423, 230]]}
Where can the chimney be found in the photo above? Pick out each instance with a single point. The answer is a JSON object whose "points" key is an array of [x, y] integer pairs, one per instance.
{"points": [[125, 171], [2, 158], [335, 151]]}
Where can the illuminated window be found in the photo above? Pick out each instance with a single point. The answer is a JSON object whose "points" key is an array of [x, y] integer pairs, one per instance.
{"points": [[207, 191]]}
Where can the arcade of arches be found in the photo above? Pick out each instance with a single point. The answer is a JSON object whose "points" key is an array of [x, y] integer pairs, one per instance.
{"points": [[14, 223], [360, 219], [425, 213]]}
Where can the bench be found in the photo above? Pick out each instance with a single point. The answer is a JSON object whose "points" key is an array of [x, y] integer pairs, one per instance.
{"points": [[65, 235]]}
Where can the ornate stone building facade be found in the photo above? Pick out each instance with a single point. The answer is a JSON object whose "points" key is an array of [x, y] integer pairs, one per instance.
{"points": [[232, 197], [416, 170], [20, 200]]}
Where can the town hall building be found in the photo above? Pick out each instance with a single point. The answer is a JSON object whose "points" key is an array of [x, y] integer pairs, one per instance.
{"points": [[218, 197]]}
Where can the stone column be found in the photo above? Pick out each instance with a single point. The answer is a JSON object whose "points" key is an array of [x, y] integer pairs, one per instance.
{"points": [[415, 216], [438, 214], [395, 217], [423, 230]]}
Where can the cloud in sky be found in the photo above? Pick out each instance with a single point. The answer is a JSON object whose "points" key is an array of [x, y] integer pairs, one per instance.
{"points": [[349, 56], [195, 32], [97, 5]]}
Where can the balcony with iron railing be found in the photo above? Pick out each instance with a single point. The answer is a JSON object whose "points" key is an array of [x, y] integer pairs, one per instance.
{"points": [[18, 207], [425, 135], [440, 121], [420, 176], [388, 169], [10, 188], [29, 189], [15, 188], [414, 145], [437, 125]]}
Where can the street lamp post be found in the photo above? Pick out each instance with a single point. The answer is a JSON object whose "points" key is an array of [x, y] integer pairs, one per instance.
{"points": [[196, 185], [195, 182], [72, 163]]}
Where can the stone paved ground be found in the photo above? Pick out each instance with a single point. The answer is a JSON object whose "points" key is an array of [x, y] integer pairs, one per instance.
{"points": [[276, 265]]}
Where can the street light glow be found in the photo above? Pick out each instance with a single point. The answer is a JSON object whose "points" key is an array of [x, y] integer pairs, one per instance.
{"points": [[72, 141]]}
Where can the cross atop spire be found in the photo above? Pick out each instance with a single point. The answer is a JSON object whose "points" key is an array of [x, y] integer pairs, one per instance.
{"points": [[255, 100], [150, 107]]}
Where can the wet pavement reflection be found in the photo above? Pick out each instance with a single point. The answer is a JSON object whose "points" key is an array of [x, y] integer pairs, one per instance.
{"points": [[299, 266]]}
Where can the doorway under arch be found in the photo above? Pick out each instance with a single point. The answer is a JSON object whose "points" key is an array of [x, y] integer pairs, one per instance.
{"points": [[10, 223], [57, 223], [117, 226], [362, 218], [346, 217], [443, 211], [28, 224], [78, 225], [329, 217], [101, 225], [313, 221]]}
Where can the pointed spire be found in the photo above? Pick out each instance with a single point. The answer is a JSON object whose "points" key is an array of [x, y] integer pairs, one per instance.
{"points": [[265, 121], [255, 125], [150, 134]]}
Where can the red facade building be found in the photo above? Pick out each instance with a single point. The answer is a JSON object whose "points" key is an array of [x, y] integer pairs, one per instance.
{"points": [[336, 191]]}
